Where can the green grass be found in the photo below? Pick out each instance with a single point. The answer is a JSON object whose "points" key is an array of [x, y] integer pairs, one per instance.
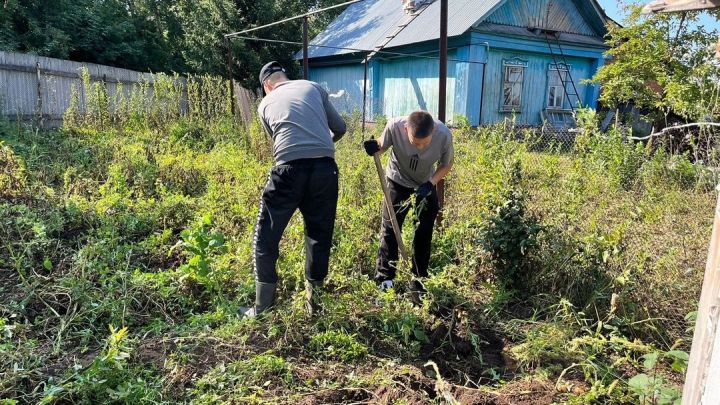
{"points": [[101, 228]]}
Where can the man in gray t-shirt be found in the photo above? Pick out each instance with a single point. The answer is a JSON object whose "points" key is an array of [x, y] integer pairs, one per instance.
{"points": [[422, 155]]}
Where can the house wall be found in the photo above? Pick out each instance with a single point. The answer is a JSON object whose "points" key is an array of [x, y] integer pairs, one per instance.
{"points": [[401, 85], [410, 84], [583, 60], [559, 15], [535, 86], [396, 86], [344, 84]]}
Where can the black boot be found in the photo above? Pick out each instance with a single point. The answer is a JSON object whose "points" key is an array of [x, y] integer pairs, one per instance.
{"points": [[264, 299], [313, 291], [417, 291]]}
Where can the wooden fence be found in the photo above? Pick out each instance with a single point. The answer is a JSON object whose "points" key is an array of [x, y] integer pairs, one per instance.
{"points": [[38, 89]]}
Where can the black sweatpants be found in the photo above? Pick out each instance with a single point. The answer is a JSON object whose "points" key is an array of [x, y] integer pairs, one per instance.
{"points": [[310, 185], [426, 211]]}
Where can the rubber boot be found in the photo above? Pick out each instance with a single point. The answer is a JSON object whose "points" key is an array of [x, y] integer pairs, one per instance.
{"points": [[417, 291], [264, 299], [313, 291]]}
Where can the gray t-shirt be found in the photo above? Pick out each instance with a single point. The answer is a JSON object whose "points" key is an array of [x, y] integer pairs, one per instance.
{"points": [[301, 121], [409, 166]]}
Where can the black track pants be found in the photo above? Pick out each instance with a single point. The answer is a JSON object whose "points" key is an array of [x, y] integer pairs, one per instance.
{"points": [[424, 221], [310, 185]]}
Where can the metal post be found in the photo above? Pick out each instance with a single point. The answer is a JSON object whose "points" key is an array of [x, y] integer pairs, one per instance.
{"points": [[364, 106], [305, 48], [231, 83], [442, 100]]}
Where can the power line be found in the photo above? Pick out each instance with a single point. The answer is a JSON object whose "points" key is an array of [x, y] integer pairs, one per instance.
{"points": [[412, 55], [235, 34]]}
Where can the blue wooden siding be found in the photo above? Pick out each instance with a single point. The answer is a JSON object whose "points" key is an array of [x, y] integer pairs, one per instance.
{"points": [[535, 85], [468, 83], [559, 15], [343, 83], [409, 84]]}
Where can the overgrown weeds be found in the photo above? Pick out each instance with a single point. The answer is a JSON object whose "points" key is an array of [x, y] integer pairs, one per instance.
{"points": [[575, 268]]}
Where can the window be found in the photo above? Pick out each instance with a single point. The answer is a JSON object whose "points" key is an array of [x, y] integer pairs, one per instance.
{"points": [[557, 78], [513, 78]]}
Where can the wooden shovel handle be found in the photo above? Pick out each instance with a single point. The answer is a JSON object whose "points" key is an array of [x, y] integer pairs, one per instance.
{"points": [[390, 208]]}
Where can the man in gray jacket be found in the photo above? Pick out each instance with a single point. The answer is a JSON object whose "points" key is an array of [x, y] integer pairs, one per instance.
{"points": [[303, 124]]}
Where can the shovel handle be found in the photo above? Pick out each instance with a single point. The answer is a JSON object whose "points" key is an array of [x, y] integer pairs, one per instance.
{"points": [[390, 208]]}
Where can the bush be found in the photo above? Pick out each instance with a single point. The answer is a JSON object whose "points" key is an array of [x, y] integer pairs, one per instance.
{"points": [[510, 235]]}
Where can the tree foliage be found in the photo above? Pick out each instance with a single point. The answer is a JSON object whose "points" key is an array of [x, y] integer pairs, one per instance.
{"points": [[185, 36], [664, 62]]}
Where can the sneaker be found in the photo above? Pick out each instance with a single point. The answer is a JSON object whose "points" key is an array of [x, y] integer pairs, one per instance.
{"points": [[386, 285]]}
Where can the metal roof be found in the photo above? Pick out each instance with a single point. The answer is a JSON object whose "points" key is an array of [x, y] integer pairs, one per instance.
{"points": [[364, 25]]}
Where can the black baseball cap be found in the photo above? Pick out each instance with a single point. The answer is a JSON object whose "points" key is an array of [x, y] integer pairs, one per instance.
{"points": [[269, 69]]}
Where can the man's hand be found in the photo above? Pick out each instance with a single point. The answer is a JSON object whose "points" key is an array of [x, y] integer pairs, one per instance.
{"points": [[371, 147], [425, 190]]}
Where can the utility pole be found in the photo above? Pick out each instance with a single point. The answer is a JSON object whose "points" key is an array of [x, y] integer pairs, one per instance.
{"points": [[442, 97], [305, 48]]}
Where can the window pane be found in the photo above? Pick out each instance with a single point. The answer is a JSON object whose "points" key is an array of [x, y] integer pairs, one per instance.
{"points": [[516, 74], [507, 94], [516, 90], [512, 87], [551, 96]]}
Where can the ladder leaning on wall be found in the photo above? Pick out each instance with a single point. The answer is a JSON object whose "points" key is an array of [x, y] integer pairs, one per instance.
{"points": [[414, 8]]}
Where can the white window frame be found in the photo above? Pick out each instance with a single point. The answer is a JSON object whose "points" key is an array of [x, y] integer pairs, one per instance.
{"points": [[553, 100], [510, 65]]}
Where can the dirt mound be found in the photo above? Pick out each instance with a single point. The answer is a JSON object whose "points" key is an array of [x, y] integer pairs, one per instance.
{"points": [[338, 396], [464, 361]]}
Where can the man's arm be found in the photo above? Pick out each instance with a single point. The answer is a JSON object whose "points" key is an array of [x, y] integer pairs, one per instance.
{"points": [[335, 120], [446, 161], [383, 148], [264, 123], [440, 173], [381, 144]]}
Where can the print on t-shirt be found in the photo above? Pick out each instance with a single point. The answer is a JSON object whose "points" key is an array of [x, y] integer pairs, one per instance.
{"points": [[414, 162]]}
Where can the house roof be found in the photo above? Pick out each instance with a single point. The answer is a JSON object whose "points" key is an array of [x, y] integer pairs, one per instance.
{"points": [[366, 24]]}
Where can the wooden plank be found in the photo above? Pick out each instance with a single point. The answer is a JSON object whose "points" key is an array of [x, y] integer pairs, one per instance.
{"points": [[706, 327], [668, 6], [712, 391]]}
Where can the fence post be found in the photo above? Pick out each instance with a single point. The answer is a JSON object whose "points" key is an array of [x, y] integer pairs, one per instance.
{"points": [[38, 104], [231, 82], [705, 351]]}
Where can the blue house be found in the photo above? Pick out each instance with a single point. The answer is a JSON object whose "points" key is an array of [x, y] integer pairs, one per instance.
{"points": [[521, 59]]}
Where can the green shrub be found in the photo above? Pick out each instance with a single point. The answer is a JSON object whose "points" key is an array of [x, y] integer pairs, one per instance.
{"points": [[510, 235]]}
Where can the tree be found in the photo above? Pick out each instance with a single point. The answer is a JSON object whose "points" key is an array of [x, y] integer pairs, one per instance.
{"points": [[185, 36], [664, 62]]}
